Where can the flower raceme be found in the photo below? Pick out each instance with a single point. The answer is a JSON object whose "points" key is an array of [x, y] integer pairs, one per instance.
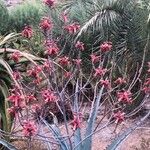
{"points": [[27, 32], [49, 96], [79, 45], [29, 128], [49, 3], [46, 24], [124, 96], [15, 56], [106, 46]]}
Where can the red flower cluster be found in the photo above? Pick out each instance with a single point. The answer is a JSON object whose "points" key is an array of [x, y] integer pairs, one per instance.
{"points": [[64, 61], [80, 45], [124, 96], [51, 48], [100, 71], [30, 98], [29, 128], [105, 83], [15, 98], [77, 62], [119, 117], [49, 96], [49, 3], [106, 46], [46, 24], [35, 73], [120, 81], [67, 74], [15, 56], [76, 123], [16, 75], [94, 58], [72, 28], [27, 32]]}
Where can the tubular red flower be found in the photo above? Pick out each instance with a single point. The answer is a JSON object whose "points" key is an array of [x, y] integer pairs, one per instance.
{"points": [[27, 32]]}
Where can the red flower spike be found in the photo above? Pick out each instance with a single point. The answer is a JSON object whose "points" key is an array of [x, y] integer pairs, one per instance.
{"points": [[124, 96], [27, 32], [120, 81], [49, 96], [29, 128], [64, 61], [80, 45], [49, 3], [15, 56], [46, 24], [100, 72], [94, 58], [119, 117], [106, 46]]}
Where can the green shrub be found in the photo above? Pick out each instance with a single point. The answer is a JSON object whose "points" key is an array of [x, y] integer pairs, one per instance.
{"points": [[4, 17], [28, 13]]}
